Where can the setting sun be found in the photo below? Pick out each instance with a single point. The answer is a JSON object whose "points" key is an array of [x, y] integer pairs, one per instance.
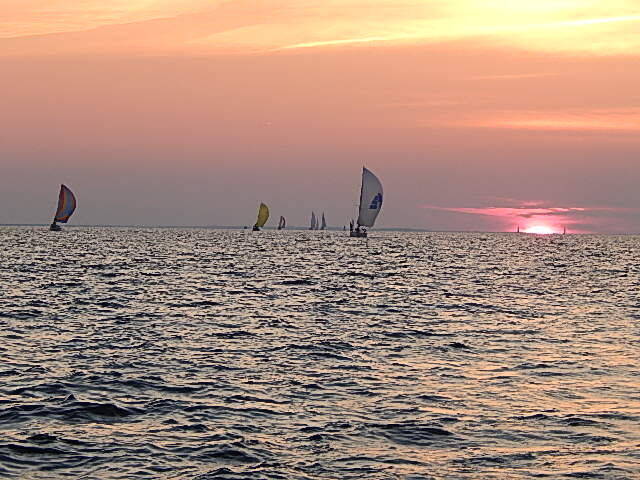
{"points": [[540, 229]]}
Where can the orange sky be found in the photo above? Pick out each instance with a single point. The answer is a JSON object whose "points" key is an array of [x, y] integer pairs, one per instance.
{"points": [[455, 104], [210, 26]]}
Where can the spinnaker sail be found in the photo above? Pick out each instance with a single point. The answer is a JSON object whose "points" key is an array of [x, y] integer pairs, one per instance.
{"points": [[66, 205]]}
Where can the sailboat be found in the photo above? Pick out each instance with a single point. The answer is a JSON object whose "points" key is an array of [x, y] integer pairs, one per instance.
{"points": [[323, 224], [263, 216], [282, 223], [564, 230], [66, 206], [370, 203], [518, 229], [314, 222]]}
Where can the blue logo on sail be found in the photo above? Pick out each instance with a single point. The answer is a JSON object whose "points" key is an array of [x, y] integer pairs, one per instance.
{"points": [[376, 203]]}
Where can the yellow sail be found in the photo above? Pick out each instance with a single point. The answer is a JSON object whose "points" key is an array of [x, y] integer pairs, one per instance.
{"points": [[263, 215]]}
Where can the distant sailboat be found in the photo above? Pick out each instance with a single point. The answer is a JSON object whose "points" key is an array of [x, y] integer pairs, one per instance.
{"points": [[263, 216], [323, 224], [564, 230], [282, 223], [370, 203], [518, 229], [66, 206], [314, 222]]}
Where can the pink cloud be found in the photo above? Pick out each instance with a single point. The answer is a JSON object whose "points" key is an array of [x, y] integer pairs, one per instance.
{"points": [[534, 216]]}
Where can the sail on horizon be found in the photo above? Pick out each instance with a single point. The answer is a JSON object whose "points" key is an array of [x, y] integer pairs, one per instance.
{"points": [[66, 205], [263, 216], [370, 199]]}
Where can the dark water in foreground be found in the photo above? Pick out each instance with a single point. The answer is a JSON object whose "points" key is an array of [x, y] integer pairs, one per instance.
{"points": [[171, 354]]}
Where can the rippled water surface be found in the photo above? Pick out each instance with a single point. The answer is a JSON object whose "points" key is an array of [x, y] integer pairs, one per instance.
{"points": [[198, 354]]}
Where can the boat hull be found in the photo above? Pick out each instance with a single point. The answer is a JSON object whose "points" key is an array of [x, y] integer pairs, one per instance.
{"points": [[358, 234], [55, 228]]}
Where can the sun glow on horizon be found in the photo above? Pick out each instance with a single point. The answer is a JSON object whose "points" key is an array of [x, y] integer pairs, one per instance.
{"points": [[540, 229]]}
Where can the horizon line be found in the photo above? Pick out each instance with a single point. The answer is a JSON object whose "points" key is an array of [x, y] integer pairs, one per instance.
{"points": [[297, 228]]}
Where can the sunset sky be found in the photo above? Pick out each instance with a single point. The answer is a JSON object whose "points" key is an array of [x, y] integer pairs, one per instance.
{"points": [[475, 114]]}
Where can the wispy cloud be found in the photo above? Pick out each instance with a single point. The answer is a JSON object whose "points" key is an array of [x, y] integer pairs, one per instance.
{"points": [[515, 76], [349, 41], [549, 25], [593, 21], [42, 17], [620, 119], [511, 212], [561, 35]]}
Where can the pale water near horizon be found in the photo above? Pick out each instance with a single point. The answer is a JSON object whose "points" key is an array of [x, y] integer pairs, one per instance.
{"points": [[140, 353]]}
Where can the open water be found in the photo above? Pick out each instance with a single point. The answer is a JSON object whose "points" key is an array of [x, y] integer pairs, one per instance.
{"points": [[207, 354]]}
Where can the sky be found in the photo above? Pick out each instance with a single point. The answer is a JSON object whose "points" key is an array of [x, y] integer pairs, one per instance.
{"points": [[475, 114]]}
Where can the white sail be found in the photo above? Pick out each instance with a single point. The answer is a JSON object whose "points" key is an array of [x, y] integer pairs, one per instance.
{"points": [[370, 199], [314, 222], [323, 225]]}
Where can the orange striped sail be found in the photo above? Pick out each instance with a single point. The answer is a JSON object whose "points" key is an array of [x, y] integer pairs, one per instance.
{"points": [[66, 204]]}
